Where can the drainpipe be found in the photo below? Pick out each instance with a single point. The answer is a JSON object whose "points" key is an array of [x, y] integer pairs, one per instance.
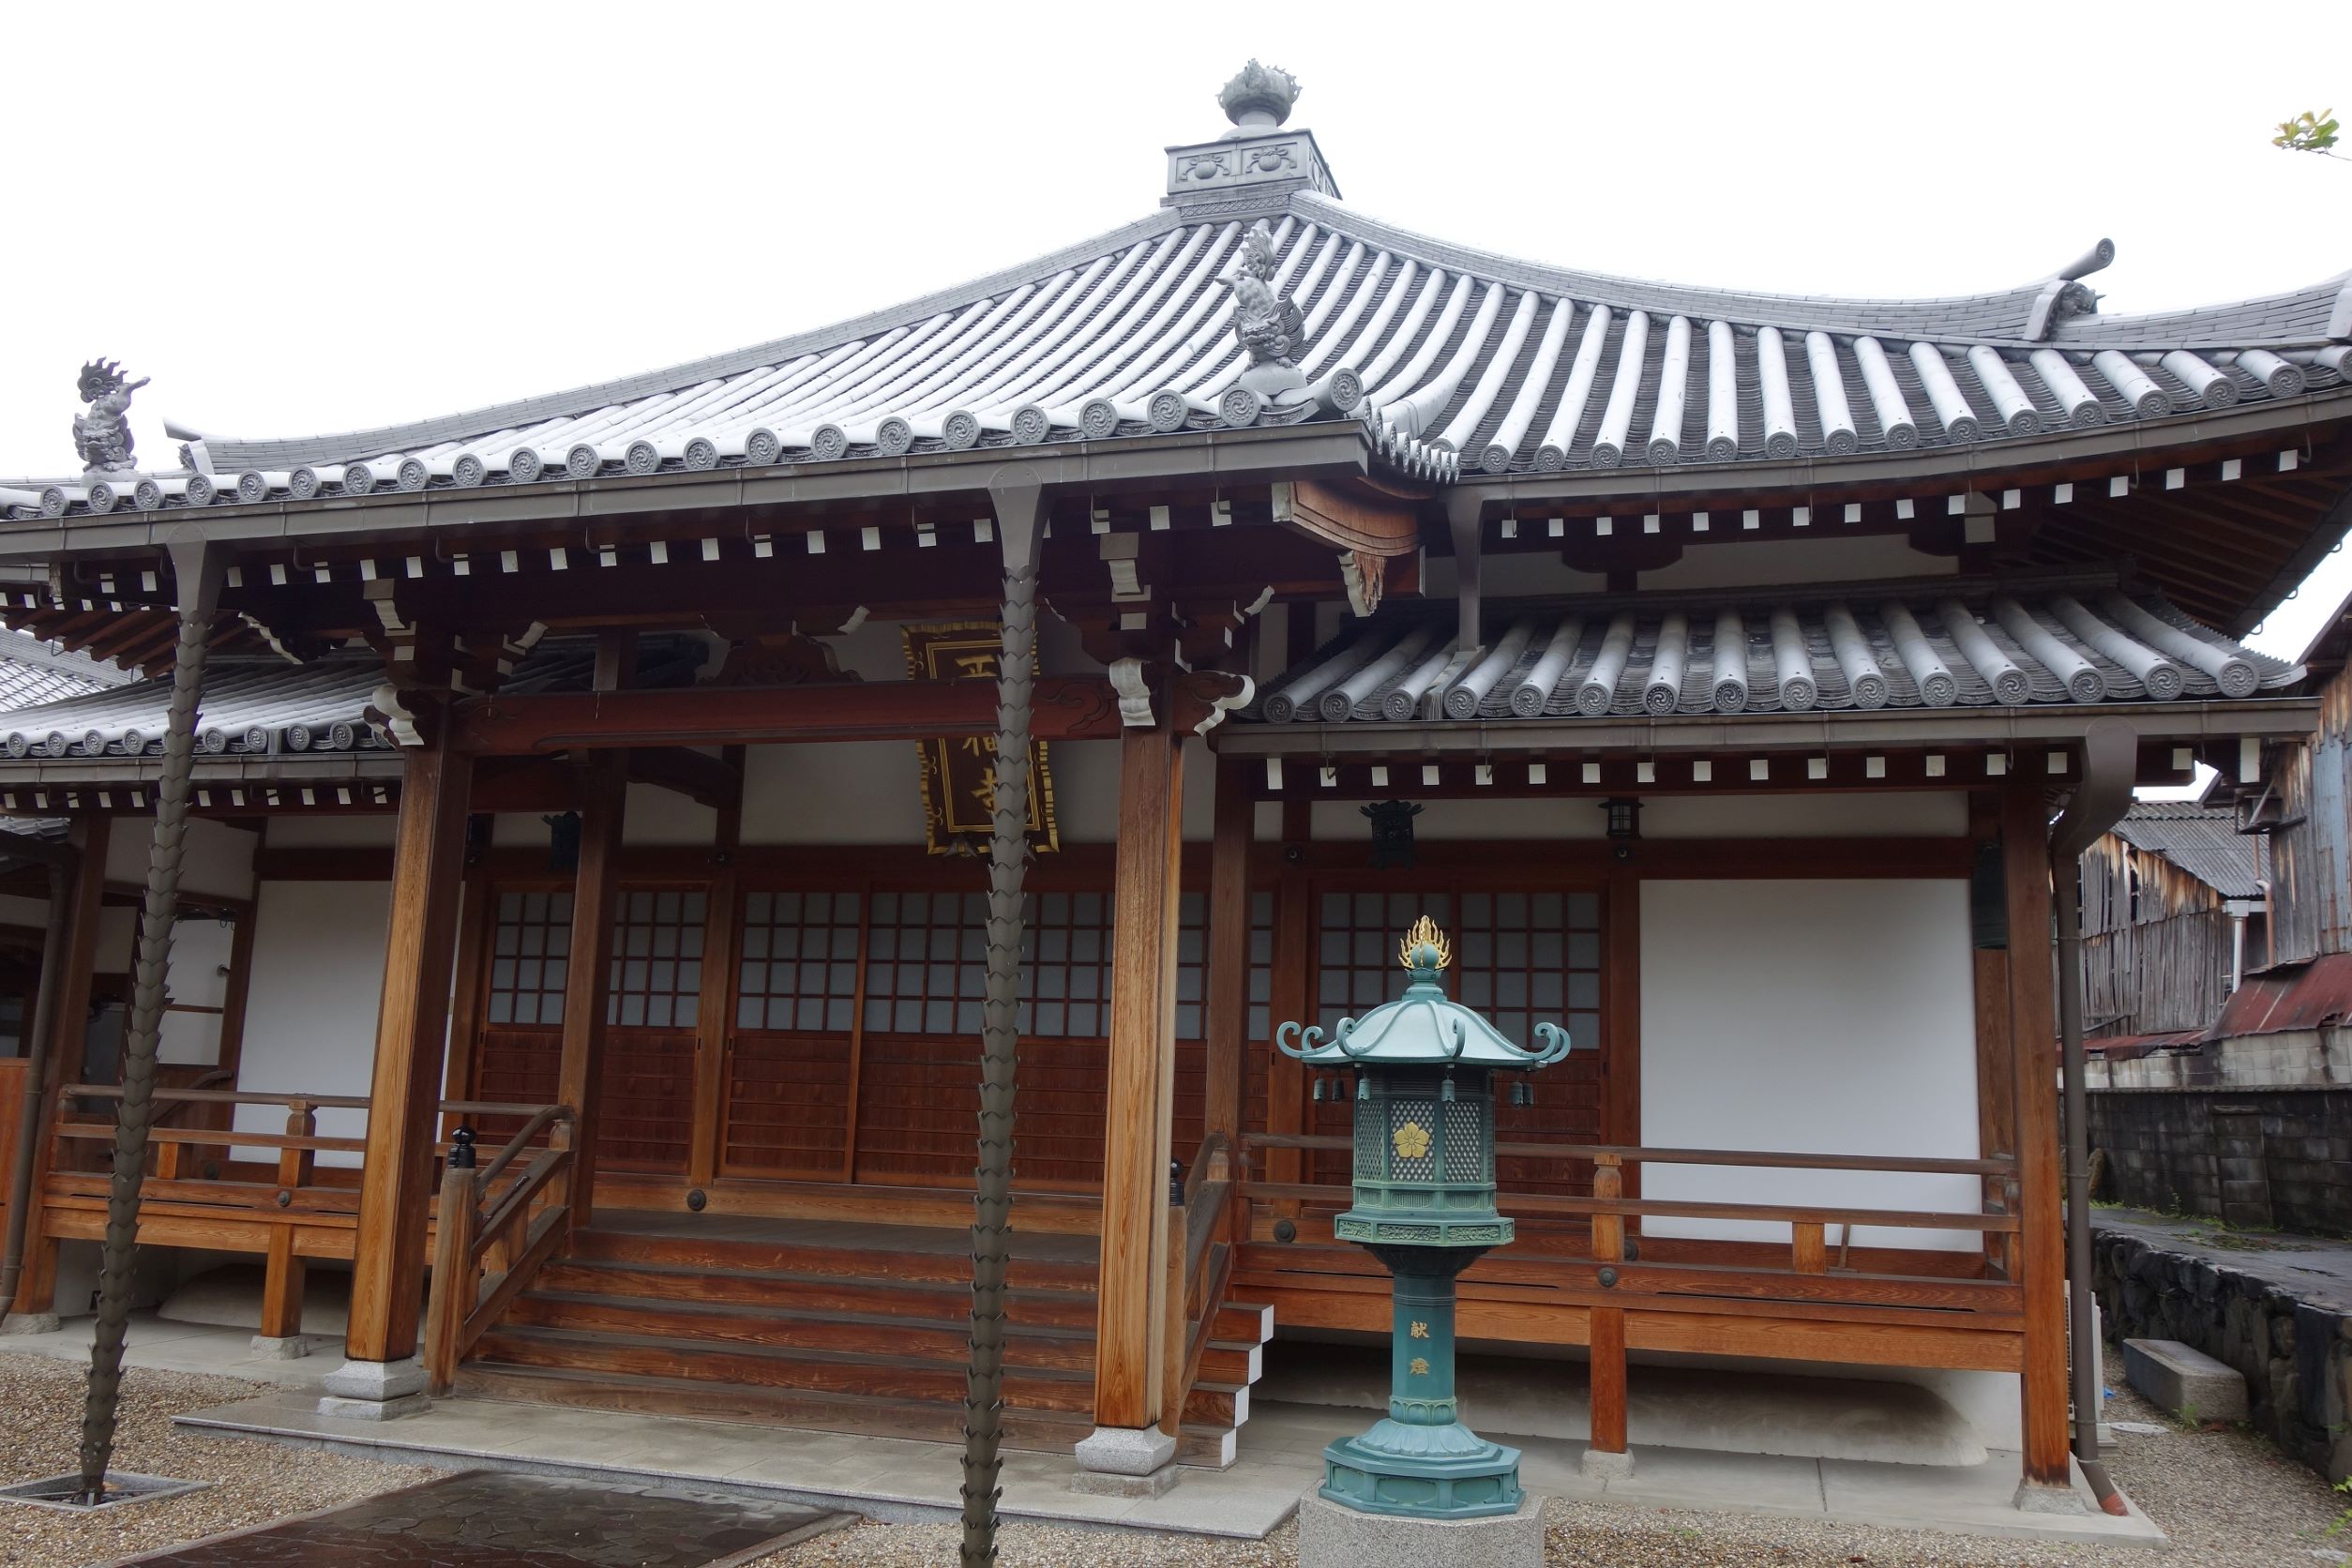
{"points": [[2110, 765], [44, 1022]]}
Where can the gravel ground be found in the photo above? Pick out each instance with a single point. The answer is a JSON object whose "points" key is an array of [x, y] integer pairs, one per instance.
{"points": [[2227, 1499], [40, 1434]]}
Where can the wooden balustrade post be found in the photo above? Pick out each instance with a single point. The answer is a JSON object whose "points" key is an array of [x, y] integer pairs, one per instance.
{"points": [[1808, 1246], [1173, 1323], [1129, 1352], [455, 1284], [283, 1272], [404, 1098], [1608, 1455], [2039, 1257]]}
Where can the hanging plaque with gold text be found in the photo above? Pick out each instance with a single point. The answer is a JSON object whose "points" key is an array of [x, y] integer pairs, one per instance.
{"points": [[960, 773]]}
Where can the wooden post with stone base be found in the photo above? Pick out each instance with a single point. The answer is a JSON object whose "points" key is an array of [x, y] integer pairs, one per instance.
{"points": [[1129, 1453], [381, 1376]]}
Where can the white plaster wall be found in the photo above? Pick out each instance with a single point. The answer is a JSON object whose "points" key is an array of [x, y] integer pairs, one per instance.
{"points": [[323, 832], [1814, 1017], [15, 911], [1895, 814], [1830, 557], [311, 1012], [214, 858], [199, 954], [657, 816]]}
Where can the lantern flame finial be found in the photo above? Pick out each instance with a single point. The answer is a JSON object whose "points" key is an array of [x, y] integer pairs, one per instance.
{"points": [[1424, 947]]}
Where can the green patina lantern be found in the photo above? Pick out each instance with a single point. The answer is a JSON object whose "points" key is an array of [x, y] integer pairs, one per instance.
{"points": [[1424, 1206]]}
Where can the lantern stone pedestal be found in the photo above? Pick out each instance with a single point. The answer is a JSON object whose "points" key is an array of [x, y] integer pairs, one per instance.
{"points": [[1333, 1535]]}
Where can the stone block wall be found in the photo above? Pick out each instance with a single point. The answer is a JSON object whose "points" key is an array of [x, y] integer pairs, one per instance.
{"points": [[2259, 1158], [2295, 1357]]}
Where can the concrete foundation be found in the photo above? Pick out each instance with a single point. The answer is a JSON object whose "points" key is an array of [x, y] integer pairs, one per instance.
{"points": [[2184, 1380], [31, 1322], [291, 1346], [1605, 1467], [374, 1389], [1125, 1462], [1334, 1536]]}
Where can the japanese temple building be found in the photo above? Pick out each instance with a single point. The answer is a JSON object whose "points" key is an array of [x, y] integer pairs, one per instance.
{"points": [[609, 775]]}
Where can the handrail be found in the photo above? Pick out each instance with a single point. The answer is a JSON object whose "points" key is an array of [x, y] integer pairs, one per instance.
{"points": [[1631, 1153], [547, 1117], [1686, 1209], [322, 1102]]}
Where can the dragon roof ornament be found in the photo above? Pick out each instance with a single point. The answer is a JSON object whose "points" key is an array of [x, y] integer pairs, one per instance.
{"points": [[102, 436]]}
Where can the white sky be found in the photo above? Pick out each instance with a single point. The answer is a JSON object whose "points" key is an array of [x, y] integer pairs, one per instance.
{"points": [[307, 217]]}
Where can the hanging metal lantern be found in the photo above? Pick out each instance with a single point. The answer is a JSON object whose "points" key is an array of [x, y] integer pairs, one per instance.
{"points": [[1424, 1206]]}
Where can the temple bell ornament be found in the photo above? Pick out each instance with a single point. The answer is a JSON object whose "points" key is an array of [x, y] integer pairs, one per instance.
{"points": [[1424, 1206]]}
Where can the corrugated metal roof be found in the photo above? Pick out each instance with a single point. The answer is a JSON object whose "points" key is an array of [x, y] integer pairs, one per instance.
{"points": [[2204, 842], [1463, 360], [1917, 644], [2316, 995]]}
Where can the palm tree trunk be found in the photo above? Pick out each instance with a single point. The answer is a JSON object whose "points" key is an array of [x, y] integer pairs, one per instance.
{"points": [[150, 969], [992, 1200]]}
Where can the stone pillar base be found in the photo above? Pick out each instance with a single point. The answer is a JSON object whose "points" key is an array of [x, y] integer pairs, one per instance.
{"points": [[1598, 1465], [374, 1390], [31, 1322], [2043, 1496], [1125, 1462], [1333, 1535], [292, 1346]]}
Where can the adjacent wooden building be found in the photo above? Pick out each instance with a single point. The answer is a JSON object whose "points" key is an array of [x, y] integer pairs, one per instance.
{"points": [[1736, 650]]}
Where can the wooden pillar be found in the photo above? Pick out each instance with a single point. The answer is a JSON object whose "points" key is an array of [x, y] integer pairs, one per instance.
{"points": [[1227, 1013], [411, 1026], [2041, 1257], [1129, 1352], [588, 978], [69, 1023], [714, 1012]]}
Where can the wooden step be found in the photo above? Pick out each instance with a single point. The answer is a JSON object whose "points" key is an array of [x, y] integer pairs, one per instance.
{"points": [[888, 1375], [866, 1334], [941, 1266], [1029, 1431]]}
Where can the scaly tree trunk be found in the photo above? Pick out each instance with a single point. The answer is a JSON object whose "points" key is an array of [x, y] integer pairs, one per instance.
{"points": [[993, 1200], [150, 969]]}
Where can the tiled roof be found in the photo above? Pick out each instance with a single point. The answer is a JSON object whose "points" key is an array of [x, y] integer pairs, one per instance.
{"points": [[1466, 361], [32, 672], [2202, 842], [263, 705], [1904, 646]]}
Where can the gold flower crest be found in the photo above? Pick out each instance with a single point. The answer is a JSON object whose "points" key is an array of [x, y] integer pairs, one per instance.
{"points": [[1425, 933]]}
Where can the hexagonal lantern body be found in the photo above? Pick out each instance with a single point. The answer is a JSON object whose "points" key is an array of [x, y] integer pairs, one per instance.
{"points": [[1424, 1205]]}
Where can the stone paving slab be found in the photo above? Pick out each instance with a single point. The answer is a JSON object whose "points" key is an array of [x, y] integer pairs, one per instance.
{"points": [[493, 1519]]}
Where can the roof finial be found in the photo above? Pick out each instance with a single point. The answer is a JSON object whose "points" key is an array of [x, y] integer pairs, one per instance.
{"points": [[1259, 97], [102, 436]]}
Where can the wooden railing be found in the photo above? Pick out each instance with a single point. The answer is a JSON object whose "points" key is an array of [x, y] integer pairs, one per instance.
{"points": [[490, 1243], [287, 1209], [1200, 1261], [1809, 1253]]}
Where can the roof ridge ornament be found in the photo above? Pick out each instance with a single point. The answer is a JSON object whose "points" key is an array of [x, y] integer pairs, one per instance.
{"points": [[1259, 98], [102, 436], [1254, 167]]}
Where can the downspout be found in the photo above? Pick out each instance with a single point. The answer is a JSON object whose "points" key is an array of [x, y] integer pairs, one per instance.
{"points": [[1020, 504], [28, 1126], [2110, 766]]}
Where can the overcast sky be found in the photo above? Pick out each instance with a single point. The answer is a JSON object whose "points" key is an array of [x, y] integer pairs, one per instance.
{"points": [[298, 218]]}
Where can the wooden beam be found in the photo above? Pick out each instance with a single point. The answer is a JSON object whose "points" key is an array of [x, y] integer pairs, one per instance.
{"points": [[588, 981], [2033, 1044], [412, 1024], [1128, 1358], [1226, 1020], [1067, 708]]}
